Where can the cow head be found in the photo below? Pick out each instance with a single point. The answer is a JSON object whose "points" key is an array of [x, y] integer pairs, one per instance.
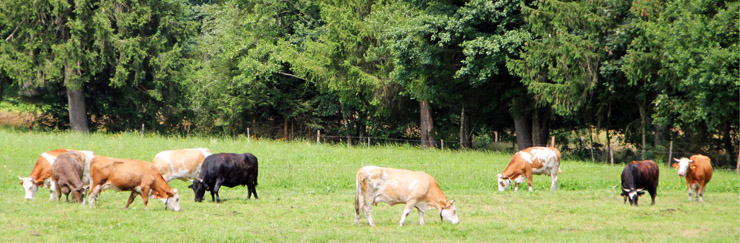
{"points": [[78, 194], [199, 188], [632, 195], [503, 183], [682, 165], [173, 200], [449, 213], [29, 186]]}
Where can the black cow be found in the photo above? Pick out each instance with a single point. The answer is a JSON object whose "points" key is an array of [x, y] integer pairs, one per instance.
{"points": [[638, 176], [226, 169]]}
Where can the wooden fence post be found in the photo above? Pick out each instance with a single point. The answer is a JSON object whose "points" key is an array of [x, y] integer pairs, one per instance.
{"points": [[670, 153], [318, 136], [142, 130], [495, 140], [738, 161], [368, 142], [442, 144], [611, 154], [249, 135], [552, 141]]}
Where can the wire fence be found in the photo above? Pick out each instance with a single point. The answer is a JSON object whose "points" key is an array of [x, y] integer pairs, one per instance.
{"points": [[581, 151]]}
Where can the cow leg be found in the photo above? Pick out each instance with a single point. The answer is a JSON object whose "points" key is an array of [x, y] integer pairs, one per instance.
{"points": [[215, 191], [406, 210], [253, 188], [690, 193], [653, 193], [529, 179], [554, 184], [145, 195], [367, 207], [700, 193], [516, 186], [421, 216], [130, 199], [52, 189], [59, 195]]}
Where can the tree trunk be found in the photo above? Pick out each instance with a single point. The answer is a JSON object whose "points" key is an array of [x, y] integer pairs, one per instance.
{"points": [[76, 106], [345, 120], [521, 113], [540, 130], [427, 126], [642, 128], [465, 138], [522, 128], [285, 128]]}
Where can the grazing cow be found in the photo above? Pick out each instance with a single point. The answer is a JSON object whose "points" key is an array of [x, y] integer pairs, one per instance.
{"points": [[139, 177], [533, 160], [67, 174], [228, 170], [41, 173], [638, 176], [183, 164], [698, 172], [416, 189]]}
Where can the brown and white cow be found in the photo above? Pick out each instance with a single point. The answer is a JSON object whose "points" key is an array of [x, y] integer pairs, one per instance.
{"points": [[698, 171], [183, 164], [67, 174], [525, 163], [416, 189], [139, 177], [41, 173]]}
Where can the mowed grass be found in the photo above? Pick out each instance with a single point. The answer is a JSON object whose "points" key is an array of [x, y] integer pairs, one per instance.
{"points": [[307, 192]]}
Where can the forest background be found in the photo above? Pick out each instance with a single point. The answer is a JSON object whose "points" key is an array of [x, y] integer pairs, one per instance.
{"points": [[644, 76]]}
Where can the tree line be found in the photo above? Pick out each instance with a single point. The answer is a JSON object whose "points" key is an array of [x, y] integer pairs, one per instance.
{"points": [[643, 72]]}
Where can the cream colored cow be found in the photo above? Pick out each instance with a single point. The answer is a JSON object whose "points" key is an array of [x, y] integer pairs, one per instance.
{"points": [[183, 164], [416, 189]]}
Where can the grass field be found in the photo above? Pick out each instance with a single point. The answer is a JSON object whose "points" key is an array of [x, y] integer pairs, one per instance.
{"points": [[307, 191]]}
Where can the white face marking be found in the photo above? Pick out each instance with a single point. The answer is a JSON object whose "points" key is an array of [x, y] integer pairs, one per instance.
{"points": [[450, 214], [505, 182], [683, 165], [173, 203], [411, 187], [49, 158], [29, 187]]}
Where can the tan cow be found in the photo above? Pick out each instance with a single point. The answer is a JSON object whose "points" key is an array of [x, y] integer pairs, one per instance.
{"points": [[698, 171], [183, 164], [395, 186], [525, 163], [139, 177], [41, 173]]}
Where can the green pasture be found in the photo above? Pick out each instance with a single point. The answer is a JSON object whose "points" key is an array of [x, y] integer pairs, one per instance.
{"points": [[307, 191]]}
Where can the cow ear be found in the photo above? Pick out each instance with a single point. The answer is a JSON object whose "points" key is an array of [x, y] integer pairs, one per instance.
{"points": [[691, 161], [452, 203], [190, 186]]}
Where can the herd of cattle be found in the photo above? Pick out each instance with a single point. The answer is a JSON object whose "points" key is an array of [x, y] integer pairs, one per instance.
{"points": [[66, 171], [83, 173]]}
